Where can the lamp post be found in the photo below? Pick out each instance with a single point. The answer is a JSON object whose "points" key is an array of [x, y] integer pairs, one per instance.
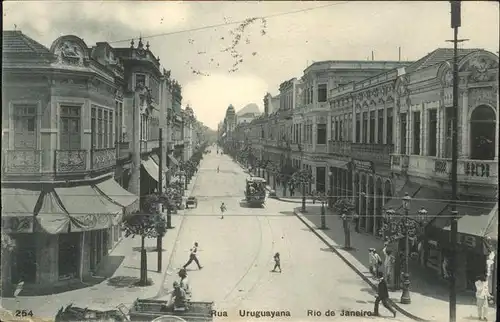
{"points": [[323, 212], [330, 178], [405, 297]]}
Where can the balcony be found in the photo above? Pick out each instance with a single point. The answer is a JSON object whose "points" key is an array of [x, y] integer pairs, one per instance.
{"points": [[25, 165], [378, 153], [342, 148], [17, 162], [468, 171], [321, 148], [399, 162]]}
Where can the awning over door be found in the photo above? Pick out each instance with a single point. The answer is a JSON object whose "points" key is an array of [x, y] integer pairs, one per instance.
{"points": [[18, 206], [431, 200], [475, 218], [88, 208], [173, 159], [111, 189], [396, 202], [151, 168], [155, 158]]}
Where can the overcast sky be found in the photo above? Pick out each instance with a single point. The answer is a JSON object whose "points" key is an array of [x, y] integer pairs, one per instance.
{"points": [[271, 52]]}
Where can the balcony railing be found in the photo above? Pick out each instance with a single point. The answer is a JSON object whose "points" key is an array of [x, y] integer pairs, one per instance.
{"points": [[103, 158], [472, 171], [22, 162], [378, 153], [68, 161], [321, 148], [339, 148]]}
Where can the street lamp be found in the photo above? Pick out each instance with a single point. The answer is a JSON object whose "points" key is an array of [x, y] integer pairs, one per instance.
{"points": [[422, 215], [405, 297]]}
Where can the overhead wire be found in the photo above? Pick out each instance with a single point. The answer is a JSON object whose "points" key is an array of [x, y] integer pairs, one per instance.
{"points": [[230, 23]]}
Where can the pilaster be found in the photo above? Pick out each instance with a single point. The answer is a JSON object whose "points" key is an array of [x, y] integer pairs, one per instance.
{"points": [[384, 131], [464, 138], [376, 126], [423, 130]]}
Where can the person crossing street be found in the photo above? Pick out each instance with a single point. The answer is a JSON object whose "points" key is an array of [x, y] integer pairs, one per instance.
{"points": [[277, 264], [193, 257], [222, 210]]}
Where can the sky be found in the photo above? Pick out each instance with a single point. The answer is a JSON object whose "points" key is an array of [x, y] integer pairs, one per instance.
{"points": [[215, 72]]}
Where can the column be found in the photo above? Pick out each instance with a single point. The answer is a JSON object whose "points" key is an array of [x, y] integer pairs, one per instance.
{"points": [[423, 130], [314, 132], [409, 131], [442, 130], [376, 126], [384, 131], [397, 129], [328, 128], [361, 128], [367, 202], [464, 137], [368, 125]]}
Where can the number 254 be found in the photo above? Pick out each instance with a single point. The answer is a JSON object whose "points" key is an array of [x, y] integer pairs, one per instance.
{"points": [[24, 313]]}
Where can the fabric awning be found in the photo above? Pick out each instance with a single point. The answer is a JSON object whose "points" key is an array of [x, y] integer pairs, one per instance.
{"points": [[475, 218], [111, 189], [173, 159], [155, 158], [432, 201], [87, 208], [491, 231], [51, 217], [18, 207], [151, 168], [396, 202]]}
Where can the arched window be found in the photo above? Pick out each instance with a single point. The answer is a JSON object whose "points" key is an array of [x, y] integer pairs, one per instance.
{"points": [[482, 133]]}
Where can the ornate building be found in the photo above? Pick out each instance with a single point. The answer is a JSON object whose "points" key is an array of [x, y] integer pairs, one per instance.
{"points": [[374, 131], [80, 146]]}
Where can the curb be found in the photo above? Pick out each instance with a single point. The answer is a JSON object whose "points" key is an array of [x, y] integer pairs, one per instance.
{"points": [[178, 231], [314, 229]]}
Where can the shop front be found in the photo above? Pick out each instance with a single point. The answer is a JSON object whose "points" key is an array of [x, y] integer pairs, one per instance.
{"points": [[62, 232]]}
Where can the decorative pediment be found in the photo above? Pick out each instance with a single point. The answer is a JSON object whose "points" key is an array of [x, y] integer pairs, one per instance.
{"points": [[70, 50], [389, 99], [365, 104], [381, 101], [373, 103], [481, 65]]}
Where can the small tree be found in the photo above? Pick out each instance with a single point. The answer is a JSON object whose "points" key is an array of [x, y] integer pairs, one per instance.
{"points": [[346, 209], [8, 246], [301, 178]]}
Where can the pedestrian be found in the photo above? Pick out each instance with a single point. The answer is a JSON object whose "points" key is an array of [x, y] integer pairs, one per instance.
{"points": [[217, 169], [193, 257], [389, 262], [184, 282], [356, 222], [222, 210], [382, 296], [375, 262], [482, 295], [277, 264]]}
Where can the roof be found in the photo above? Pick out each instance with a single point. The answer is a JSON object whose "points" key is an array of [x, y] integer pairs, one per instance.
{"points": [[438, 56], [14, 41]]}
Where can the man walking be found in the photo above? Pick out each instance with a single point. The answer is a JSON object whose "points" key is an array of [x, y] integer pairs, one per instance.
{"points": [[382, 296], [192, 257], [222, 210], [277, 264]]}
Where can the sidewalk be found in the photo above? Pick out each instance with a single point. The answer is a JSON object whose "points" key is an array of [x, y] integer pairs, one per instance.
{"points": [[119, 272], [429, 296]]}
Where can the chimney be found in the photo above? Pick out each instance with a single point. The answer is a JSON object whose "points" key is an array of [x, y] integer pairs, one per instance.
{"points": [[399, 48], [373, 57]]}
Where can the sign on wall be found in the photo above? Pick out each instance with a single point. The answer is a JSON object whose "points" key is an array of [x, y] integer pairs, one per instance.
{"points": [[363, 165]]}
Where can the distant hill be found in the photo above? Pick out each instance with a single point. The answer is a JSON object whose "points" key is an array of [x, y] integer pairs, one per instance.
{"points": [[250, 108]]}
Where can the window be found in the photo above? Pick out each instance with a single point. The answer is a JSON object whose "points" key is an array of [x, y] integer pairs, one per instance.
{"points": [[70, 138], [416, 133], [322, 93], [341, 129], [349, 128], [365, 127], [380, 130], [100, 128], [332, 128], [402, 134], [432, 138], [358, 128], [25, 134], [110, 130], [140, 79], [101, 123], [389, 127], [120, 133], [372, 127], [321, 134], [105, 128]]}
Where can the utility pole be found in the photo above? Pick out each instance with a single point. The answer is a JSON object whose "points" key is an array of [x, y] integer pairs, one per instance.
{"points": [[159, 239], [455, 23], [135, 176]]}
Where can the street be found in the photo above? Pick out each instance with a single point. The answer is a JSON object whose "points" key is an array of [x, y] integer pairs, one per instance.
{"points": [[237, 255]]}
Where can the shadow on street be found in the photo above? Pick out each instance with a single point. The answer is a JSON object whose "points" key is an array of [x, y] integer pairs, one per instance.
{"points": [[127, 282]]}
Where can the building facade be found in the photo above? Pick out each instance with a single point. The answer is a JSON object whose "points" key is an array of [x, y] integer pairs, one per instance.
{"points": [[373, 131], [80, 146]]}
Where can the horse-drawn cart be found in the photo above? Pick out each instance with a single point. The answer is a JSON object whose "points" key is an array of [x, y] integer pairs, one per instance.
{"points": [[149, 310]]}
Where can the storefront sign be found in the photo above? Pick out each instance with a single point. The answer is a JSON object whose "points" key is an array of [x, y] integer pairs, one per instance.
{"points": [[363, 165]]}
